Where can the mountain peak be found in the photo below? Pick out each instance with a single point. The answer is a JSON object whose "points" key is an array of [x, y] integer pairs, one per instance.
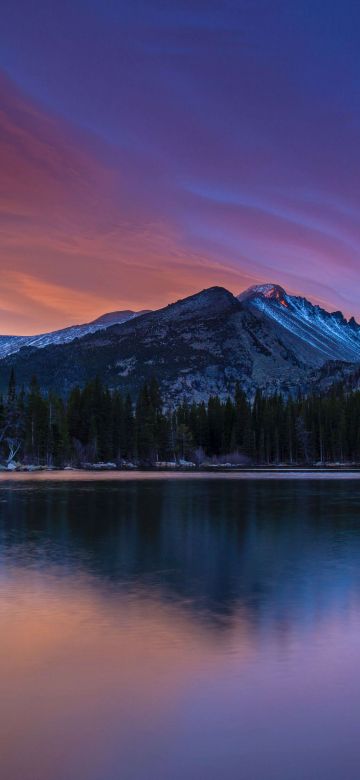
{"points": [[308, 325], [273, 292], [117, 317], [213, 300]]}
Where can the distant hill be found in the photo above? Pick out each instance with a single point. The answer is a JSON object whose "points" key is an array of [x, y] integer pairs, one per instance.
{"points": [[11, 344]]}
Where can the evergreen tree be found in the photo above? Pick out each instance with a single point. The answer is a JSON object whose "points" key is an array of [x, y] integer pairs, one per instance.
{"points": [[95, 423]]}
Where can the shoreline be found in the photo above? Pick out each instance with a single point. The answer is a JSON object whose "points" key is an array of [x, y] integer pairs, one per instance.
{"points": [[82, 475]]}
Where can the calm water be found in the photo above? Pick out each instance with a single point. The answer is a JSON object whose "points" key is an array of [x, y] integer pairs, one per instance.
{"points": [[196, 629]]}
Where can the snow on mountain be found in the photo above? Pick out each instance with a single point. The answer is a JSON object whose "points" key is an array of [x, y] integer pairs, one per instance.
{"points": [[268, 291], [11, 344], [316, 332], [116, 318]]}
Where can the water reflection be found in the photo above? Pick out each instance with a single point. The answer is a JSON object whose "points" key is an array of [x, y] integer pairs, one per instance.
{"points": [[282, 551], [179, 629]]}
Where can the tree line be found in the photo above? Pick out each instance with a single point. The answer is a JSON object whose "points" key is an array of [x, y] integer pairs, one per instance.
{"points": [[96, 424]]}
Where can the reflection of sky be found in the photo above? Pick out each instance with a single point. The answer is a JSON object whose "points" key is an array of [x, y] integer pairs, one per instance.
{"points": [[277, 553], [179, 630], [110, 110]]}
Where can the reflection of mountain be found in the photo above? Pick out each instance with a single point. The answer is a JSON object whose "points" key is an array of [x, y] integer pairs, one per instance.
{"points": [[280, 552]]}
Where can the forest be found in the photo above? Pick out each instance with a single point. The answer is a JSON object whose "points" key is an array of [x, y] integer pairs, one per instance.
{"points": [[97, 425]]}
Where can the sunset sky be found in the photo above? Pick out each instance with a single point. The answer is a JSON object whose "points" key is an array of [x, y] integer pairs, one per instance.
{"points": [[150, 149]]}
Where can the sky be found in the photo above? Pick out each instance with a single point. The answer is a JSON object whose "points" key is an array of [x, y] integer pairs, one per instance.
{"points": [[150, 149]]}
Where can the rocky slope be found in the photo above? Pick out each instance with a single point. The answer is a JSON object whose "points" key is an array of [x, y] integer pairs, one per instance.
{"points": [[316, 334]]}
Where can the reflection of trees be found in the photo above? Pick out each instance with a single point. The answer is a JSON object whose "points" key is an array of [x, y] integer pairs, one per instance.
{"points": [[279, 551]]}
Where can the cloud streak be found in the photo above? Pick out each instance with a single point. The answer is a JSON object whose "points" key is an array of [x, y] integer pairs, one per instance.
{"points": [[147, 152]]}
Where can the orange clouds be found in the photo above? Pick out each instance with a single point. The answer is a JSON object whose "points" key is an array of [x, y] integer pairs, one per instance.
{"points": [[23, 294], [86, 227], [73, 242]]}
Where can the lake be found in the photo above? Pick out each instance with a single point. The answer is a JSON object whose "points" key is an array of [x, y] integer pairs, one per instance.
{"points": [[200, 628]]}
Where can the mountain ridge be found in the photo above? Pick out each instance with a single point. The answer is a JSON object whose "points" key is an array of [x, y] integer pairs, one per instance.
{"points": [[12, 344], [204, 344], [329, 334]]}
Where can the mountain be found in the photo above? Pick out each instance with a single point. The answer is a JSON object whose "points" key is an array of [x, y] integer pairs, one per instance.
{"points": [[202, 345], [317, 335], [11, 344]]}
